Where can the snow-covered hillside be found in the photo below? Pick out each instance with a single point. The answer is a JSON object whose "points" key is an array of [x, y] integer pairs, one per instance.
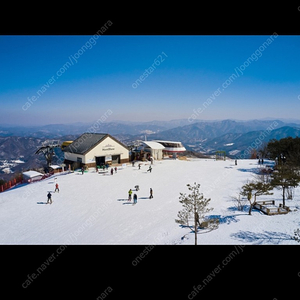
{"points": [[93, 208]]}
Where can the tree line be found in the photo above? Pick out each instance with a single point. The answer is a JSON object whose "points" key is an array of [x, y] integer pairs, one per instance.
{"points": [[285, 175]]}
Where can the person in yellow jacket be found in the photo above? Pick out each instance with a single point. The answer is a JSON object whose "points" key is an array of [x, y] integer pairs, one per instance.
{"points": [[129, 195]]}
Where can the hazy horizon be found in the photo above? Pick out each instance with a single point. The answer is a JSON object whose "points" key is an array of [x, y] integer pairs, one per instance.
{"points": [[68, 79], [297, 121]]}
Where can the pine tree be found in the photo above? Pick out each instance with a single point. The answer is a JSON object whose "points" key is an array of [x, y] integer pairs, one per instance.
{"points": [[286, 150], [256, 189], [194, 207], [285, 177]]}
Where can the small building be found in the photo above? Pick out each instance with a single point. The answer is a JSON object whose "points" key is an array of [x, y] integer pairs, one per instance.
{"points": [[171, 147], [153, 149], [55, 169], [95, 149], [157, 149], [31, 176]]}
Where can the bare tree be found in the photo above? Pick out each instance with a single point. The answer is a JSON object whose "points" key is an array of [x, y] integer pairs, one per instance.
{"points": [[263, 150], [238, 202]]}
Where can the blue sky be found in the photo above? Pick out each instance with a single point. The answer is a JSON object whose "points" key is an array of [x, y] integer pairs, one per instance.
{"points": [[65, 79]]}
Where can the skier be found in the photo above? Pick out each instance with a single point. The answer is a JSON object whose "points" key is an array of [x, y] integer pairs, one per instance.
{"points": [[150, 168], [134, 198], [129, 195], [139, 166], [112, 171], [82, 170], [56, 187], [49, 198], [137, 187], [116, 169], [151, 193]]}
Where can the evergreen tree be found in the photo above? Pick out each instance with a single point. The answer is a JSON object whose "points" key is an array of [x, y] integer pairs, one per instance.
{"points": [[285, 177], [286, 150], [194, 208], [255, 189]]}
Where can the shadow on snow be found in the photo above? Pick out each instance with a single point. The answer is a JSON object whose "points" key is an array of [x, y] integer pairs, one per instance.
{"points": [[252, 170], [261, 237], [224, 219]]}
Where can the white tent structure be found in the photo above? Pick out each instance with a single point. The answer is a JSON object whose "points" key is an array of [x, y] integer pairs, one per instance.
{"points": [[156, 149]]}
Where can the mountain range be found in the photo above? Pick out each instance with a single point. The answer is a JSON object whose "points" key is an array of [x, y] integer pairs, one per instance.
{"points": [[116, 127], [20, 143], [228, 135]]}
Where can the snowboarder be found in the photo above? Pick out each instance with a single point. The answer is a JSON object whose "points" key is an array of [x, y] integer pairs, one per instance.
{"points": [[150, 169], [151, 193], [49, 198], [129, 195], [134, 198], [56, 188], [112, 171]]}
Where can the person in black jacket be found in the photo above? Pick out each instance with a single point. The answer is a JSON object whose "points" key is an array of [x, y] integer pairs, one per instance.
{"points": [[49, 198], [151, 193], [134, 198]]}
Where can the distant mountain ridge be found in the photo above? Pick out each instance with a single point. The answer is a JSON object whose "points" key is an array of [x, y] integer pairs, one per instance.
{"points": [[238, 142], [177, 128], [210, 130], [116, 127]]}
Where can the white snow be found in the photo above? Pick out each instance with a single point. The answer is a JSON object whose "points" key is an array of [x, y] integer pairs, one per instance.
{"points": [[93, 208], [32, 174], [7, 170], [6, 165], [18, 161]]}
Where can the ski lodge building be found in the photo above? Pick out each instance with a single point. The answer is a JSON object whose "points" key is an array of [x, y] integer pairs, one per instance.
{"points": [[95, 149]]}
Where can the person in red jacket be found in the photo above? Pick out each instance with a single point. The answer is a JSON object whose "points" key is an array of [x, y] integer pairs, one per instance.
{"points": [[56, 188]]}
